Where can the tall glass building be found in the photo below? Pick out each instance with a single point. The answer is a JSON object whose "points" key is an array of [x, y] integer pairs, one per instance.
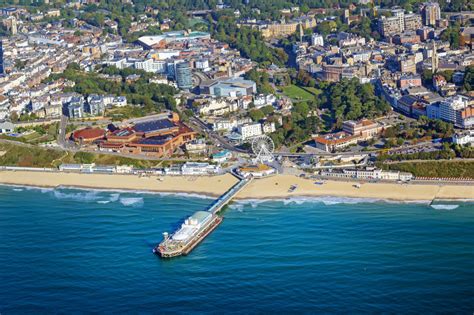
{"points": [[184, 76]]}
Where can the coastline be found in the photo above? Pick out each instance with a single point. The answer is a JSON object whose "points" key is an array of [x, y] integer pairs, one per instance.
{"points": [[275, 187], [208, 186]]}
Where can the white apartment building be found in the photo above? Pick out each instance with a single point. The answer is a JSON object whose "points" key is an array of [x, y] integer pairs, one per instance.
{"points": [[202, 64], [264, 100], [317, 40], [352, 41], [268, 127], [216, 107], [6, 126], [195, 168], [463, 138], [250, 130], [229, 124], [151, 65], [4, 107], [119, 101], [457, 110], [363, 56], [368, 173]]}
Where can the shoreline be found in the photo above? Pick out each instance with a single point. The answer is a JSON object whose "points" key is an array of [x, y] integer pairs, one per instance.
{"points": [[290, 198], [271, 188]]}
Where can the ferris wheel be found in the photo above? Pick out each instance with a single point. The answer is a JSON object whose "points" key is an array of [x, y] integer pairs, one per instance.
{"points": [[262, 147]]}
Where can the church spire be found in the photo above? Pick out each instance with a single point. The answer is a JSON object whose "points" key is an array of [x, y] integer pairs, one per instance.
{"points": [[301, 32], [434, 59]]}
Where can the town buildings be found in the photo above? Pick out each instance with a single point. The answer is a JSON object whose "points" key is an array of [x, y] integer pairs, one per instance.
{"points": [[158, 137], [158, 41], [195, 168], [229, 87], [317, 40], [364, 128], [431, 12], [398, 23], [250, 130], [184, 76], [367, 173], [273, 30], [352, 133], [463, 138], [457, 110], [222, 98]]}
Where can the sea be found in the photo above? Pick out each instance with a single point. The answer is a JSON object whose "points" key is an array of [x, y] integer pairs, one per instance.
{"points": [[68, 250]]}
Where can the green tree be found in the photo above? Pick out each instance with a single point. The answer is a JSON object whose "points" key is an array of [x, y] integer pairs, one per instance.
{"points": [[452, 34], [469, 78], [256, 114]]}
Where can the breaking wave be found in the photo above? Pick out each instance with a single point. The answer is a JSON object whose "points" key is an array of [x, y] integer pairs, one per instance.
{"points": [[133, 202], [117, 192], [78, 196], [444, 207], [114, 197], [327, 200], [237, 206]]}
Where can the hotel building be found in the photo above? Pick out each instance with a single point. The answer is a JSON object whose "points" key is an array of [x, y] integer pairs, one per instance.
{"points": [[353, 132], [458, 111]]}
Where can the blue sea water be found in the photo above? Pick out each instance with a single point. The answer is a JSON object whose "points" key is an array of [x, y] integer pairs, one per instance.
{"points": [[83, 251]]}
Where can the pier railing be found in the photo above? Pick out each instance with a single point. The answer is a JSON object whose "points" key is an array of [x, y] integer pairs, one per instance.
{"points": [[227, 197]]}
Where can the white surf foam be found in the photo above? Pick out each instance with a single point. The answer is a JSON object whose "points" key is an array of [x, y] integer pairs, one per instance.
{"points": [[142, 192], [237, 206], [444, 207], [133, 202], [114, 197], [326, 200], [185, 195], [41, 189], [78, 196]]}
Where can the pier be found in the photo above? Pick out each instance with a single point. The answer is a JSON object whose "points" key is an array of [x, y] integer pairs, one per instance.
{"points": [[195, 229]]}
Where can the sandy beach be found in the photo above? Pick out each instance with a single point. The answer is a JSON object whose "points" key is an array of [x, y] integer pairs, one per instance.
{"points": [[212, 186], [277, 187], [271, 187]]}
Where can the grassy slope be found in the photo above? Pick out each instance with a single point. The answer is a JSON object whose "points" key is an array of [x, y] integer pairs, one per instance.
{"points": [[435, 168], [30, 156], [297, 93]]}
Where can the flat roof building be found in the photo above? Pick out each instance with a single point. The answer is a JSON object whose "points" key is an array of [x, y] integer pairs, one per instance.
{"points": [[232, 87]]}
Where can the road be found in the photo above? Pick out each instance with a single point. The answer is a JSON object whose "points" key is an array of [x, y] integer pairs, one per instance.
{"points": [[62, 131], [204, 128], [200, 77]]}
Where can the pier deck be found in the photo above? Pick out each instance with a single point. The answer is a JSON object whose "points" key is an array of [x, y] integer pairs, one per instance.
{"points": [[171, 248]]}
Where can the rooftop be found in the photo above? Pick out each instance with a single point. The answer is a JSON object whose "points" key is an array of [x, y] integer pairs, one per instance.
{"points": [[154, 125], [200, 216], [172, 36], [334, 138], [158, 140], [123, 132], [88, 133]]}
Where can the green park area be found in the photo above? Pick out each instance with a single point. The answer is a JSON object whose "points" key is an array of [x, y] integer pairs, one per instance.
{"points": [[300, 93], [35, 135]]}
